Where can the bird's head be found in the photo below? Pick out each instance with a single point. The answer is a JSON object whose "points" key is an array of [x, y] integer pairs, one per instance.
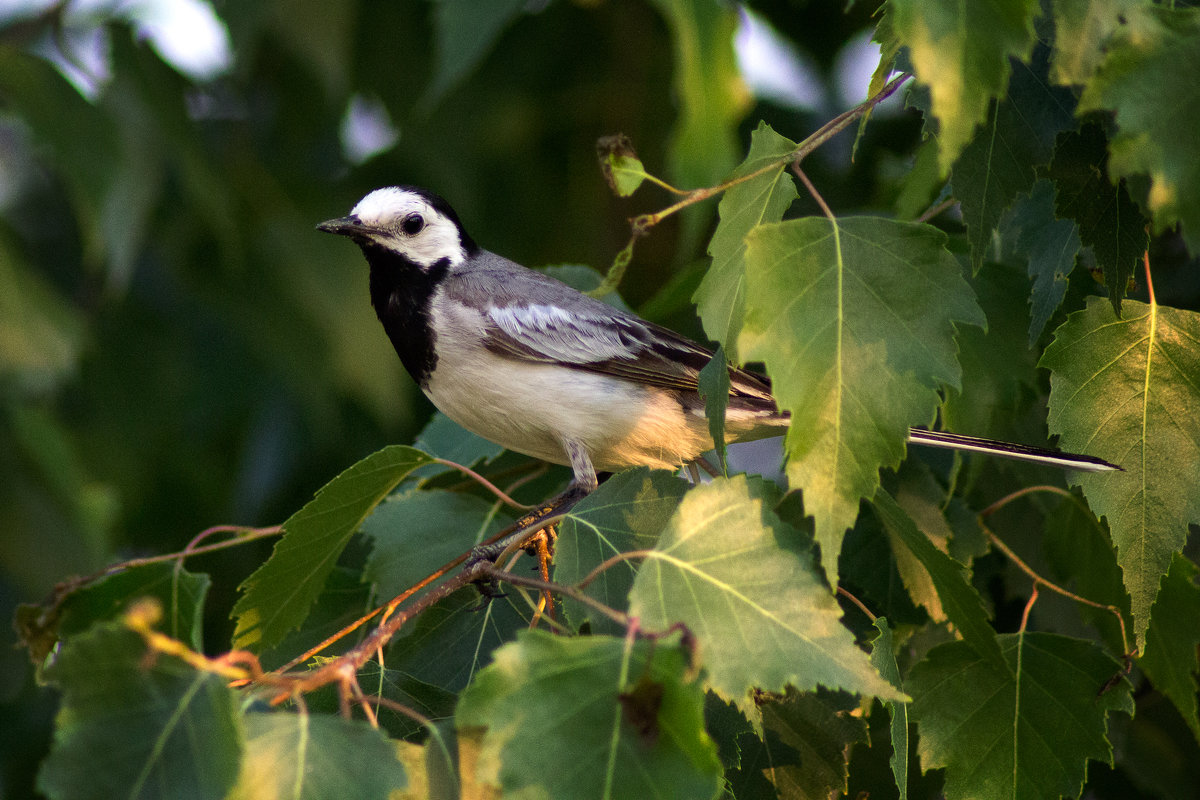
{"points": [[406, 221]]}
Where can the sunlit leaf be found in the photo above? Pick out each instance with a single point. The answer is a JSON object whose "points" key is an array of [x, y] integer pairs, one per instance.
{"points": [[961, 51], [855, 322], [591, 716], [729, 570], [821, 738], [278, 595], [721, 297], [962, 604], [301, 756], [1081, 31], [1156, 56], [1125, 390], [1024, 728]]}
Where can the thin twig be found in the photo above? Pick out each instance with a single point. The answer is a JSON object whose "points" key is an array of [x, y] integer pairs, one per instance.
{"points": [[859, 603], [1008, 498], [484, 482], [935, 210], [1033, 596], [812, 190], [1038, 580], [573, 592]]}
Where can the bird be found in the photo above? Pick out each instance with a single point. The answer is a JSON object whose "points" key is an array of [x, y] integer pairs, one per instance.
{"points": [[540, 368]]}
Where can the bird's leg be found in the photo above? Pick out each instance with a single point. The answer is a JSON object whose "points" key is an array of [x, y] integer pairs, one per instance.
{"points": [[581, 486]]}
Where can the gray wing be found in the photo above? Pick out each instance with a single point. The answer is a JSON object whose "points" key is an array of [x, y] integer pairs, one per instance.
{"points": [[533, 317]]}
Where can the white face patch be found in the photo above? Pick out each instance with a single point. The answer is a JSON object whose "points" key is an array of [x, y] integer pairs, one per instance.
{"points": [[405, 222]]}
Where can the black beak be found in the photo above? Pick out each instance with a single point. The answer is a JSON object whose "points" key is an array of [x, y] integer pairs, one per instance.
{"points": [[343, 226]]}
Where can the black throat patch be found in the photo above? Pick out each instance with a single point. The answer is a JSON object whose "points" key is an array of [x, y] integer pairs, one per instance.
{"points": [[401, 292]]}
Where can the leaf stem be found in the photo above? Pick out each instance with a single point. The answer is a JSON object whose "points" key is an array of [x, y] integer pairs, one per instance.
{"points": [[484, 482], [932, 212], [1038, 580], [812, 190], [858, 603]]}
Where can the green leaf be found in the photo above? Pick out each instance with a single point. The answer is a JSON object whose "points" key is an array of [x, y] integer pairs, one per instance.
{"points": [[1109, 221], [278, 595], [729, 570], [1153, 61], [306, 756], [1000, 379], [415, 532], [1050, 245], [855, 322], [450, 642], [1025, 728], [714, 389], [883, 658], [921, 498], [721, 297], [820, 739], [711, 96], [1170, 659], [591, 716], [1081, 31], [1002, 160], [446, 439], [1078, 549], [1125, 390], [585, 279], [961, 51], [627, 512], [181, 594], [867, 568], [137, 725], [962, 604], [627, 173], [464, 32]]}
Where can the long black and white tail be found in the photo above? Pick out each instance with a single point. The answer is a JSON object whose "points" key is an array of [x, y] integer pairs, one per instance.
{"points": [[1037, 455]]}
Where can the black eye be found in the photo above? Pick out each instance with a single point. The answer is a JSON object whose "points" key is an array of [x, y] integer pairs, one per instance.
{"points": [[412, 224]]}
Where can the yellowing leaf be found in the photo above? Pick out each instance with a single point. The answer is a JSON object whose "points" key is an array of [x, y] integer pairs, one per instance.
{"points": [[854, 320], [732, 572], [1127, 390], [961, 51]]}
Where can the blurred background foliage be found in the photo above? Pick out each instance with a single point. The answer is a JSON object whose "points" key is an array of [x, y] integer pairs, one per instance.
{"points": [[180, 348]]}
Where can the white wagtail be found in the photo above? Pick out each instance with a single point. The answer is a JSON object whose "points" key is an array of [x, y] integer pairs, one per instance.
{"points": [[531, 364]]}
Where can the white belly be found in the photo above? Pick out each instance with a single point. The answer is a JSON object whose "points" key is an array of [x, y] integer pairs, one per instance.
{"points": [[530, 408]]}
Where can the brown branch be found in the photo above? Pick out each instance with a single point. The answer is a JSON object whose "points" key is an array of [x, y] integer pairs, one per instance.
{"points": [[641, 224]]}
